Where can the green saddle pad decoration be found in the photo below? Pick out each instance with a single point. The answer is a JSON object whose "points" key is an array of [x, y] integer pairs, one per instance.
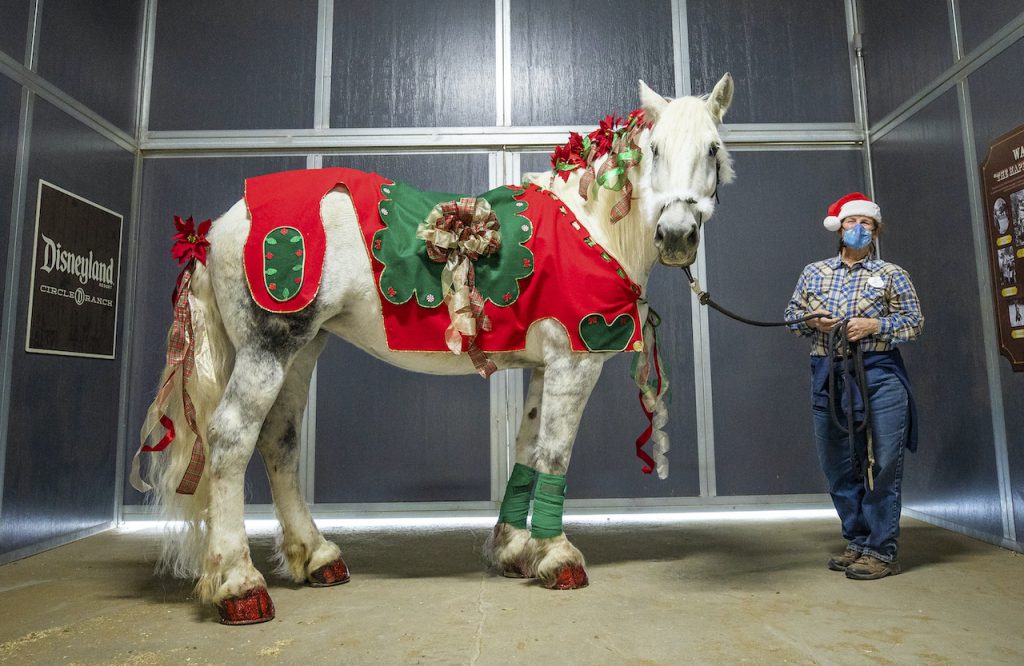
{"points": [[283, 262], [408, 271], [598, 335]]}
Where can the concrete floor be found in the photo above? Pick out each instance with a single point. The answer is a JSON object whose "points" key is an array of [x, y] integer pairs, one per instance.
{"points": [[671, 593]]}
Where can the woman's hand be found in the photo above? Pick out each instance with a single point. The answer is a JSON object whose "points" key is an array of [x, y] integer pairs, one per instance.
{"points": [[861, 327], [823, 324]]}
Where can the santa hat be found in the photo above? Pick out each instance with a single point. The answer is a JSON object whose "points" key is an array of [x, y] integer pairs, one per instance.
{"points": [[854, 203]]}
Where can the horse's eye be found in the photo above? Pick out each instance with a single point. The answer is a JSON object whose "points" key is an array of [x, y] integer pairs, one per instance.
{"points": [[654, 150], [714, 150]]}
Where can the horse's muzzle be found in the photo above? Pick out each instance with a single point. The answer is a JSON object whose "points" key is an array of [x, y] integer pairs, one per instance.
{"points": [[677, 241]]}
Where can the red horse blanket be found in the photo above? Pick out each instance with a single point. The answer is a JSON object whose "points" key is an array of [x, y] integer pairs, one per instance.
{"points": [[547, 267]]}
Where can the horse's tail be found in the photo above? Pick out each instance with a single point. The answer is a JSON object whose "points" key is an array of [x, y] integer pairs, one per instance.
{"points": [[173, 470]]}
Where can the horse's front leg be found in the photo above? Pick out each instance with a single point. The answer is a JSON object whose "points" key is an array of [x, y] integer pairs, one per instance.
{"points": [[305, 555], [506, 546], [228, 577], [569, 379]]}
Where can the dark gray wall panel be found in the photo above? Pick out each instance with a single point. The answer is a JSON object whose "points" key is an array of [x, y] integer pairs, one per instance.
{"points": [[574, 62], [790, 60], [906, 45], [604, 462], [386, 435], [922, 190], [234, 65], [14, 27], [91, 50], [62, 435], [202, 188], [10, 111], [996, 100], [995, 106], [981, 20], [766, 230], [413, 64]]}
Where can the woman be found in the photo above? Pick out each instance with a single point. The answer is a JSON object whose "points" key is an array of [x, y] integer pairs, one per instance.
{"points": [[867, 306]]}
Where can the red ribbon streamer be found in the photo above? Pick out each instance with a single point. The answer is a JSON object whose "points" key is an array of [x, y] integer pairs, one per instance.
{"points": [[645, 436]]}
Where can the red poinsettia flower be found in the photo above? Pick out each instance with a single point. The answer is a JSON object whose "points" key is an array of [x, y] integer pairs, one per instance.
{"points": [[636, 118], [190, 242], [569, 157], [603, 137]]}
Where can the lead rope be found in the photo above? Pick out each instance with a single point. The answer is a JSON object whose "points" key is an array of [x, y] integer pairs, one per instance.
{"points": [[852, 357], [837, 340], [705, 299]]}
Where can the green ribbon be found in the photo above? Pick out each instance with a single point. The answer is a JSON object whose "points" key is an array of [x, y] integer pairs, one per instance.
{"points": [[622, 160], [516, 504], [548, 503]]}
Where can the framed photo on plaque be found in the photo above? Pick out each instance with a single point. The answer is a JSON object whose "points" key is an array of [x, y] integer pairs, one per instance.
{"points": [[76, 261], [1002, 183]]}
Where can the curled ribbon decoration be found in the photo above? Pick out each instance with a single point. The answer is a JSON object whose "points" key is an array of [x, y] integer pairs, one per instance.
{"points": [[181, 353], [614, 175], [653, 391], [458, 233], [186, 341]]}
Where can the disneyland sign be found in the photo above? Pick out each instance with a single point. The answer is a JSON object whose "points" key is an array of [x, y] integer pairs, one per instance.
{"points": [[82, 267], [75, 264]]}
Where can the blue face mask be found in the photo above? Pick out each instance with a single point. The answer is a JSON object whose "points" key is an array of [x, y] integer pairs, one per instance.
{"points": [[857, 238]]}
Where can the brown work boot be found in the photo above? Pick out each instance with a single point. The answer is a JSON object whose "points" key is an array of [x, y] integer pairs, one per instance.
{"points": [[869, 567], [841, 561]]}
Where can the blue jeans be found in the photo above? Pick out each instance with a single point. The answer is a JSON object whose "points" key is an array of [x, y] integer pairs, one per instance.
{"points": [[870, 518]]}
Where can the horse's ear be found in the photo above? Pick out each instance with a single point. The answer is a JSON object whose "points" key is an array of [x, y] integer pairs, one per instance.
{"points": [[651, 102], [721, 97]]}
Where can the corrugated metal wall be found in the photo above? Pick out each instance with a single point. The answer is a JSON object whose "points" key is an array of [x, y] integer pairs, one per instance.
{"points": [[938, 95], [68, 95]]}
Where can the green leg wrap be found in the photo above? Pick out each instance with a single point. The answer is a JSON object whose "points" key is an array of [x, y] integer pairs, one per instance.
{"points": [[516, 503], [548, 501]]}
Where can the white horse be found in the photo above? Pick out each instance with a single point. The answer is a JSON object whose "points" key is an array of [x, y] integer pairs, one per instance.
{"points": [[250, 389]]}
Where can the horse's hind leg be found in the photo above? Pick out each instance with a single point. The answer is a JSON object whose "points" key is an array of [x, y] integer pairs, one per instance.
{"points": [[305, 554], [506, 546], [229, 578]]}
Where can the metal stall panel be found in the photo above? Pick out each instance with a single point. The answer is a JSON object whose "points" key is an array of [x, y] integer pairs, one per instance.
{"points": [[996, 102], [64, 409], [981, 20], [413, 64], [574, 62], [233, 66], [14, 27], [386, 435], [922, 189], [790, 60], [10, 109], [604, 462], [907, 45], [757, 244], [91, 51], [202, 188]]}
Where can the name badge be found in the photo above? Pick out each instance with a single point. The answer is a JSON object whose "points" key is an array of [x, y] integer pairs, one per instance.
{"points": [[876, 282]]}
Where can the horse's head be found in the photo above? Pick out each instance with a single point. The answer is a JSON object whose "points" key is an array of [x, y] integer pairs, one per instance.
{"points": [[684, 163]]}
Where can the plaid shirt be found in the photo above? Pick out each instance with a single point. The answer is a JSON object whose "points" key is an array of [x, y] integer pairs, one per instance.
{"points": [[871, 288]]}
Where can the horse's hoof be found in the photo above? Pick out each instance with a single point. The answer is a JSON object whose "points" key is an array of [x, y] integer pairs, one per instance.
{"points": [[570, 578], [252, 608], [332, 573], [515, 570]]}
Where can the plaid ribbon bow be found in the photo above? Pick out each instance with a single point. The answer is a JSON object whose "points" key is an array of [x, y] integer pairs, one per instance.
{"points": [[458, 233]]}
